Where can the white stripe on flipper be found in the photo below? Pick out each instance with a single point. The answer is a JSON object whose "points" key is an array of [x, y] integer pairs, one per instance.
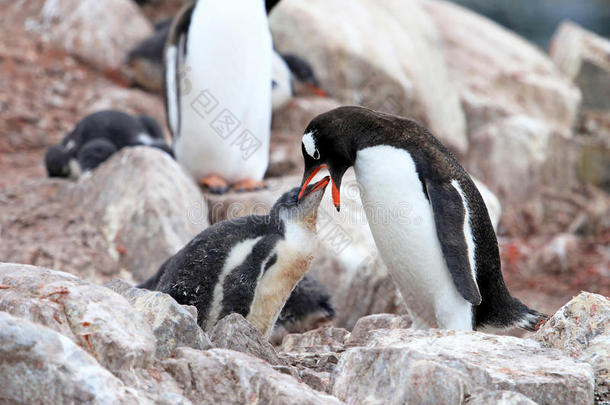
{"points": [[236, 256], [171, 88], [309, 143], [467, 232]]}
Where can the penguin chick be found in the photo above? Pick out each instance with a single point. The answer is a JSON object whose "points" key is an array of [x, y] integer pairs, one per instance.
{"points": [[442, 250], [247, 265], [99, 135], [308, 307]]}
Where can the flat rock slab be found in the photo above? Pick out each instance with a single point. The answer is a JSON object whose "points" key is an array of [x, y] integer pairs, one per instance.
{"points": [[221, 376], [384, 367]]}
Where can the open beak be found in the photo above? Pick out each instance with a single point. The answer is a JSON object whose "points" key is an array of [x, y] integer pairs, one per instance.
{"points": [[308, 179], [318, 186]]}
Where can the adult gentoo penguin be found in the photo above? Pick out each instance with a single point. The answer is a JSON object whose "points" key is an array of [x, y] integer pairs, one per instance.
{"points": [[427, 217], [99, 135], [218, 93], [248, 265]]}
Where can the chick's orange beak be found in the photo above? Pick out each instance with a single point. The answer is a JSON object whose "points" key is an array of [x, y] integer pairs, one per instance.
{"points": [[335, 193]]}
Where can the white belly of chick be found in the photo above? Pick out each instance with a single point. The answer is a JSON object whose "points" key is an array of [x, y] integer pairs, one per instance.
{"points": [[402, 222], [294, 256]]}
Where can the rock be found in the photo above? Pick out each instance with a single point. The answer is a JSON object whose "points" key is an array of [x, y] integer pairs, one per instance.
{"points": [[88, 31], [319, 381], [220, 376], [326, 339], [235, 333], [40, 365], [581, 329], [145, 218], [233, 204], [584, 57], [386, 56], [484, 397], [100, 228], [96, 318], [485, 361], [494, 208], [407, 381], [285, 156], [361, 333], [298, 112], [510, 154], [499, 74], [171, 323]]}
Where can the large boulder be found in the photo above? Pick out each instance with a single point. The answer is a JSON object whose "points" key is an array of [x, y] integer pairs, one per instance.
{"points": [[442, 366], [221, 376], [87, 30], [520, 108], [123, 219], [500, 74], [581, 329], [39, 365], [148, 216], [584, 57], [383, 55]]}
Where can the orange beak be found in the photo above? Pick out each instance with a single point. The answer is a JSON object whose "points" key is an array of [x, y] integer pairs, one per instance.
{"points": [[315, 90], [335, 193], [319, 185]]}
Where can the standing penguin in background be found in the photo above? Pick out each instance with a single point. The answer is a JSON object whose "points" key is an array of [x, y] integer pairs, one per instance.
{"points": [[218, 93], [427, 217], [248, 265]]}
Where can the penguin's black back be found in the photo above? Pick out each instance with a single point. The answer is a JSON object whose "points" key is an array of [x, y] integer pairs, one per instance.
{"points": [[191, 275]]}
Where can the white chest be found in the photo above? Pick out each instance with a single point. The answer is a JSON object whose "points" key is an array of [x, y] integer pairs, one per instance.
{"points": [[402, 222]]}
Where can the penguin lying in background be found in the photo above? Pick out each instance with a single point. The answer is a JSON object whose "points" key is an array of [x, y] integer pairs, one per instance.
{"points": [[99, 135], [427, 217], [308, 307], [247, 265]]}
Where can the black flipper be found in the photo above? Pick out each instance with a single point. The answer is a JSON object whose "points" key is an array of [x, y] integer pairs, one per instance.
{"points": [[152, 126], [94, 153], [178, 38], [449, 216]]}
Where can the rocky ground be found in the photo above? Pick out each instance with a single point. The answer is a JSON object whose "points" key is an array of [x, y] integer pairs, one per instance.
{"points": [[533, 127]]}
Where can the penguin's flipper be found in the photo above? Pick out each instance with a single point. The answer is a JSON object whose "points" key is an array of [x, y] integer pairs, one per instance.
{"points": [[152, 126], [450, 214], [174, 57], [94, 153]]}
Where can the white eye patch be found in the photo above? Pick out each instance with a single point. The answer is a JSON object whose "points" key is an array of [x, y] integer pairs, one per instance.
{"points": [[310, 145]]}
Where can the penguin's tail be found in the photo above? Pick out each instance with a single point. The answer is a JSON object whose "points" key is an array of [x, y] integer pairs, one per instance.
{"points": [[529, 319], [511, 314]]}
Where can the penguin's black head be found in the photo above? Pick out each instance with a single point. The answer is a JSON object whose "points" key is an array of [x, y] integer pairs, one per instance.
{"points": [[302, 71], [57, 161], [289, 207], [328, 142]]}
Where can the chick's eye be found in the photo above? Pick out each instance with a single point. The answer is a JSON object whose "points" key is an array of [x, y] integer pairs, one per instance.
{"points": [[316, 154]]}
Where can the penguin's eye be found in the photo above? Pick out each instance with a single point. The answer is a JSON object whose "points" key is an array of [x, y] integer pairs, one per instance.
{"points": [[316, 154]]}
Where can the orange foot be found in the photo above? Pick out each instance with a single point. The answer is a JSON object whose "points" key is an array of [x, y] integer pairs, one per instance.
{"points": [[215, 183], [248, 185]]}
